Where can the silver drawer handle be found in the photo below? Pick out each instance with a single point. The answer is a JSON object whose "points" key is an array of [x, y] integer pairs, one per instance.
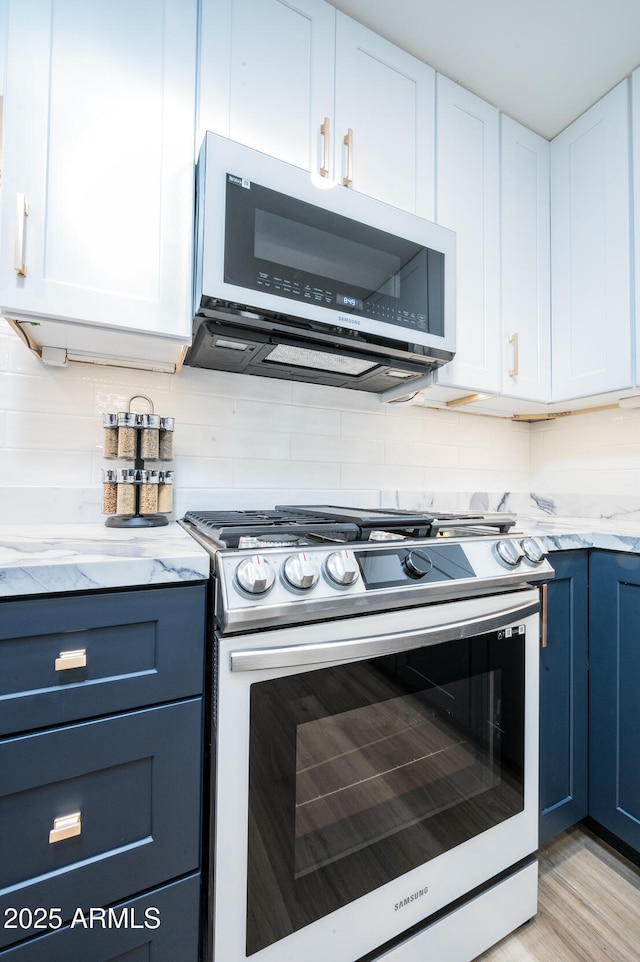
{"points": [[71, 659], [65, 827]]}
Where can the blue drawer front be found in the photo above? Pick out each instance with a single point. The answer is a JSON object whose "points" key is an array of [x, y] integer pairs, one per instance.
{"points": [[134, 778], [162, 926], [141, 648]]}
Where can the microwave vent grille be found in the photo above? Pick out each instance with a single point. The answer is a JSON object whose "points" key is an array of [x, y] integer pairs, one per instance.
{"points": [[318, 360]]}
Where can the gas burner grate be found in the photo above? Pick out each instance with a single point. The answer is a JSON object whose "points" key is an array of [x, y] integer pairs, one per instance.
{"points": [[229, 528], [313, 524]]}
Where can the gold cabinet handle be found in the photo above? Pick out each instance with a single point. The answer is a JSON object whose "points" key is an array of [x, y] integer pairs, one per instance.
{"points": [[348, 142], [514, 370], [22, 211], [324, 130], [65, 827], [71, 659], [543, 615]]}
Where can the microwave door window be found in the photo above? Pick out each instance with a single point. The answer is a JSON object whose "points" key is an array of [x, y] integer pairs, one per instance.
{"points": [[303, 248], [282, 246]]}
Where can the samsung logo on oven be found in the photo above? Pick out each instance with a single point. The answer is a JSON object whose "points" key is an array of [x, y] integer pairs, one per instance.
{"points": [[411, 898]]}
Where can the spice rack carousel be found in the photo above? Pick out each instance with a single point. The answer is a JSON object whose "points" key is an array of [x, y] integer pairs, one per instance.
{"points": [[137, 496]]}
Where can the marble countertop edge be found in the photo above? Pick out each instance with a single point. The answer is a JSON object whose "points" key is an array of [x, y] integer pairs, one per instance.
{"points": [[42, 559], [564, 534]]}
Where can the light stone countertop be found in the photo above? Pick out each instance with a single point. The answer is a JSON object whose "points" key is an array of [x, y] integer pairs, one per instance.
{"points": [[40, 559], [561, 534]]}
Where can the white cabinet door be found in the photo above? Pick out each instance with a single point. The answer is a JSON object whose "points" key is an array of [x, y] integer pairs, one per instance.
{"points": [[267, 74], [99, 123], [526, 334], [386, 99], [4, 13], [467, 201], [590, 244], [296, 80]]}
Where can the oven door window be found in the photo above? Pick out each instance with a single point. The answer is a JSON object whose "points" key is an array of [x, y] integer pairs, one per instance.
{"points": [[362, 772]]}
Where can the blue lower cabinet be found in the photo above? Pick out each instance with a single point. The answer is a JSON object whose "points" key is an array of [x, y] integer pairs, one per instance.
{"points": [[614, 695], [63, 659], [95, 812], [161, 925], [101, 752], [564, 697]]}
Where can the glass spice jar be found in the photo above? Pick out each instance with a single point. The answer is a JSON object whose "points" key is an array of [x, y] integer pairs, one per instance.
{"points": [[166, 438], [126, 495], [127, 435], [149, 481], [165, 492], [110, 432], [150, 437], [109, 491]]}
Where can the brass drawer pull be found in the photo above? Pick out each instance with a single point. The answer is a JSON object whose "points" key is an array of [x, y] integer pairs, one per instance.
{"points": [[543, 615], [513, 372], [71, 659], [65, 827], [22, 211], [324, 130], [347, 140]]}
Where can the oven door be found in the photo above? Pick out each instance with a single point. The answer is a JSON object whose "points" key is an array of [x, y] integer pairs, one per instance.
{"points": [[371, 771]]}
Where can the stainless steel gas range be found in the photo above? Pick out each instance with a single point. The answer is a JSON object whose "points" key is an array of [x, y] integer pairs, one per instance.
{"points": [[374, 728]]}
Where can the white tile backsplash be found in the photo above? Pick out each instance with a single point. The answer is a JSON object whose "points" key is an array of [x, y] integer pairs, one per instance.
{"points": [[51, 432], [335, 449], [253, 442], [43, 469]]}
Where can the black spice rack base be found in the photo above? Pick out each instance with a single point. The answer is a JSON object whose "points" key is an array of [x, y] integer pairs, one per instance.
{"points": [[136, 520]]}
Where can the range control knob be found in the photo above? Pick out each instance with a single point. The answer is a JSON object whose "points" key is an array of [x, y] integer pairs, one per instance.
{"points": [[255, 575], [510, 552], [418, 563], [341, 567], [301, 571], [534, 550]]}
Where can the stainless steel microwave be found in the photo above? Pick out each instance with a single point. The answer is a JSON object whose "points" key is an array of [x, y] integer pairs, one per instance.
{"points": [[311, 284]]}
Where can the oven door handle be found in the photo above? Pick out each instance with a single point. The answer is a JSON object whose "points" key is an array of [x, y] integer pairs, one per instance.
{"points": [[357, 649]]}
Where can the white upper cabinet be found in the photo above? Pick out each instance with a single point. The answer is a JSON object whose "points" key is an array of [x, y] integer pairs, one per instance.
{"points": [[526, 333], [590, 244], [97, 202], [467, 201], [266, 75], [384, 120], [318, 90], [4, 12]]}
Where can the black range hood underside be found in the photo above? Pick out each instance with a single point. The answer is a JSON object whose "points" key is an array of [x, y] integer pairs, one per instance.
{"points": [[242, 343]]}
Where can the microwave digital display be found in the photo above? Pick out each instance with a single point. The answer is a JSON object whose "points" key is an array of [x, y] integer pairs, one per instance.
{"points": [[278, 244], [347, 301]]}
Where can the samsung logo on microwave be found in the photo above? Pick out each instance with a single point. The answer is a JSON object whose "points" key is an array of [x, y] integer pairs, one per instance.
{"points": [[352, 321], [411, 898]]}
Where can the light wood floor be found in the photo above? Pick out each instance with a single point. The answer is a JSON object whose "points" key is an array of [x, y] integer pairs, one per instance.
{"points": [[588, 907]]}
